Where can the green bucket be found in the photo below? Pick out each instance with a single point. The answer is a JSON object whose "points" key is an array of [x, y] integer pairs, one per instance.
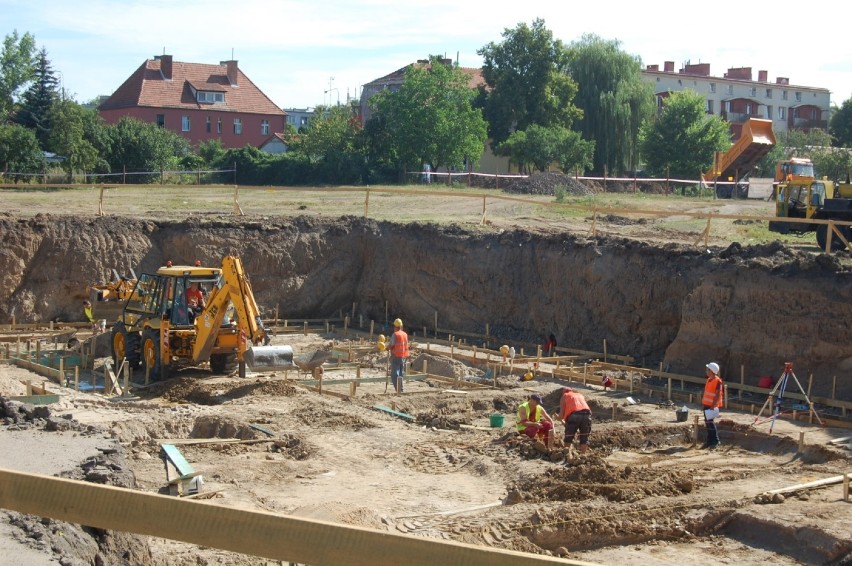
{"points": [[496, 421]]}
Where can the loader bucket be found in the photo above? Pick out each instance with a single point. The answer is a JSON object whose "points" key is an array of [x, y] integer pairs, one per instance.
{"points": [[269, 358]]}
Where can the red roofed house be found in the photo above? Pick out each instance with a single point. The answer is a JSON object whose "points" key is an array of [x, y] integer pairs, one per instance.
{"points": [[199, 102]]}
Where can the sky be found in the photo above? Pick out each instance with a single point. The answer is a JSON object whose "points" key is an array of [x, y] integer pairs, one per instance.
{"points": [[303, 53]]}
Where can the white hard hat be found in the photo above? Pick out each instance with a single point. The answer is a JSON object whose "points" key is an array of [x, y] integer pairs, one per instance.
{"points": [[714, 367]]}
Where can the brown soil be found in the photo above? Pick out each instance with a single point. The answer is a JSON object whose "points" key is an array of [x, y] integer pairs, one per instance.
{"points": [[644, 494]]}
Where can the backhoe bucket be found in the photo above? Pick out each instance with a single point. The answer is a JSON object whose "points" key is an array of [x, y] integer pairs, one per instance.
{"points": [[269, 358]]}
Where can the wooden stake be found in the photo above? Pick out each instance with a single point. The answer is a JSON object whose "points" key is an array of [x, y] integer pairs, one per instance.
{"points": [[76, 378], [845, 487], [305, 328], [801, 441], [372, 324], [742, 382], [669, 387], [695, 428], [604, 344], [614, 409]]}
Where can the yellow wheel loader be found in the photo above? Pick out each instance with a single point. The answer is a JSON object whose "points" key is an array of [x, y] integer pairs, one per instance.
{"points": [[187, 315]]}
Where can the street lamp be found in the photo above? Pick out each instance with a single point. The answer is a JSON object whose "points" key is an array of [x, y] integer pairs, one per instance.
{"points": [[329, 98]]}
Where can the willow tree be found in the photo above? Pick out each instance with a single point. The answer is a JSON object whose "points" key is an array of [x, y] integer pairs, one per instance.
{"points": [[615, 101]]}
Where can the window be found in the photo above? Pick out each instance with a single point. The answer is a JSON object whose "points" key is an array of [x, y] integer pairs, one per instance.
{"points": [[238, 126], [303, 121], [219, 126], [769, 112], [753, 91], [729, 89], [161, 120], [712, 87], [291, 119], [209, 125], [783, 95], [709, 106], [203, 96], [781, 112], [769, 93], [264, 127], [748, 109], [798, 97], [184, 123]]}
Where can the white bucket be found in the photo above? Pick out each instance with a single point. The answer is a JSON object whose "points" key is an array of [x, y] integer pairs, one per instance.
{"points": [[102, 324]]}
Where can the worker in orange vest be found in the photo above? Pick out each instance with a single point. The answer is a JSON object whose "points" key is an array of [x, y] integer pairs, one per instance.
{"points": [[576, 414], [399, 354], [712, 400]]}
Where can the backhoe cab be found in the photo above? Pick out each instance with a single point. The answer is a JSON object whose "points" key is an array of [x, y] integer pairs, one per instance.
{"points": [[188, 315]]}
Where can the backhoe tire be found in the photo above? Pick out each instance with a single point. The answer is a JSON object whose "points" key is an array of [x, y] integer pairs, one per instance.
{"points": [[223, 364], [836, 243], [125, 346], [151, 362]]}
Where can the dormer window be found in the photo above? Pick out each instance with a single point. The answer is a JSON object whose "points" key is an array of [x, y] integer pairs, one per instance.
{"points": [[210, 97]]}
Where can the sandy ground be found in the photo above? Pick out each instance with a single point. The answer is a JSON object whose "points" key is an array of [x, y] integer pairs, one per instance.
{"points": [[644, 494]]}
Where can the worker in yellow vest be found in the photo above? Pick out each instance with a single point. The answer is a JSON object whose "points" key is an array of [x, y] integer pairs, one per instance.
{"points": [[90, 316]]}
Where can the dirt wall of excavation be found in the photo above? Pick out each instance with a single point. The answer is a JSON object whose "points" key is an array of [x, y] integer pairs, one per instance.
{"points": [[756, 306]]}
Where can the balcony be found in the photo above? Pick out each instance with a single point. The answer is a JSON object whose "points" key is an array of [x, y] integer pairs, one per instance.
{"points": [[741, 117], [807, 124]]}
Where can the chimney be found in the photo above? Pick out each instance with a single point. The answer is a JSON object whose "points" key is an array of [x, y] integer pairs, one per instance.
{"points": [[782, 80], [762, 76], [652, 68], [741, 73], [701, 69], [668, 66], [232, 71], [165, 66]]}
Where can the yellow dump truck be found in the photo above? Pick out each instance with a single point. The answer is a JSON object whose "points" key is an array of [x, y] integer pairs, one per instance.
{"points": [[730, 167], [188, 315]]}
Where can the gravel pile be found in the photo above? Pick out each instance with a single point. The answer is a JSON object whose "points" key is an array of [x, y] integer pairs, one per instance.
{"points": [[547, 184]]}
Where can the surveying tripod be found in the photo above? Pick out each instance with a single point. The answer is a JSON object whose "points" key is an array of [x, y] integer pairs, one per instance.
{"points": [[778, 392]]}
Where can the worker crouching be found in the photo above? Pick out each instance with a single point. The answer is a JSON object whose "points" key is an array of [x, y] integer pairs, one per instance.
{"points": [[534, 421], [577, 416]]}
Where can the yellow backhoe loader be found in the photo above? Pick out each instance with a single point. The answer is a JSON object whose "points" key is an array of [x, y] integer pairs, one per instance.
{"points": [[187, 315]]}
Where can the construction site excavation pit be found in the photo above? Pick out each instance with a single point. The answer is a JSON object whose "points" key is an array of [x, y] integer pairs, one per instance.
{"points": [[442, 459]]}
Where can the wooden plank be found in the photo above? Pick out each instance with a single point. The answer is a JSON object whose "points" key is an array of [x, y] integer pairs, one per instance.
{"points": [[257, 533], [388, 410], [36, 399], [804, 486], [178, 461], [53, 374]]}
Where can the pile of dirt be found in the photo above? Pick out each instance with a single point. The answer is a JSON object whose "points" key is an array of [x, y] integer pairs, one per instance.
{"points": [[445, 366], [193, 390], [213, 426], [591, 476], [548, 184], [331, 420]]}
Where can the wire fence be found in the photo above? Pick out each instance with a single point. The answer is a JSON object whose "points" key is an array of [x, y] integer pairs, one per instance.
{"points": [[162, 176]]}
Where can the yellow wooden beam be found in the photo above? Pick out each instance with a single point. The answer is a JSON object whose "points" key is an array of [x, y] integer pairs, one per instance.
{"points": [[257, 533]]}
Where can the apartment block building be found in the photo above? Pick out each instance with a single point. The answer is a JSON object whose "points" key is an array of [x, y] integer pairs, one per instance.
{"points": [[736, 96]]}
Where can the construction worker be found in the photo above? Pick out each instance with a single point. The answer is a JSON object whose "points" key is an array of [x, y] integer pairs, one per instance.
{"points": [[711, 402], [90, 316], [576, 414], [399, 353], [534, 421], [549, 348]]}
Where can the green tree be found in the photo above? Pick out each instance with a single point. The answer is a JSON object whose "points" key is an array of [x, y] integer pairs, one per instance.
{"points": [[683, 138], [211, 151], [43, 93], [17, 68], [332, 139], [68, 138], [615, 100], [840, 125], [137, 146], [430, 119], [795, 143], [541, 147], [526, 82], [19, 152]]}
